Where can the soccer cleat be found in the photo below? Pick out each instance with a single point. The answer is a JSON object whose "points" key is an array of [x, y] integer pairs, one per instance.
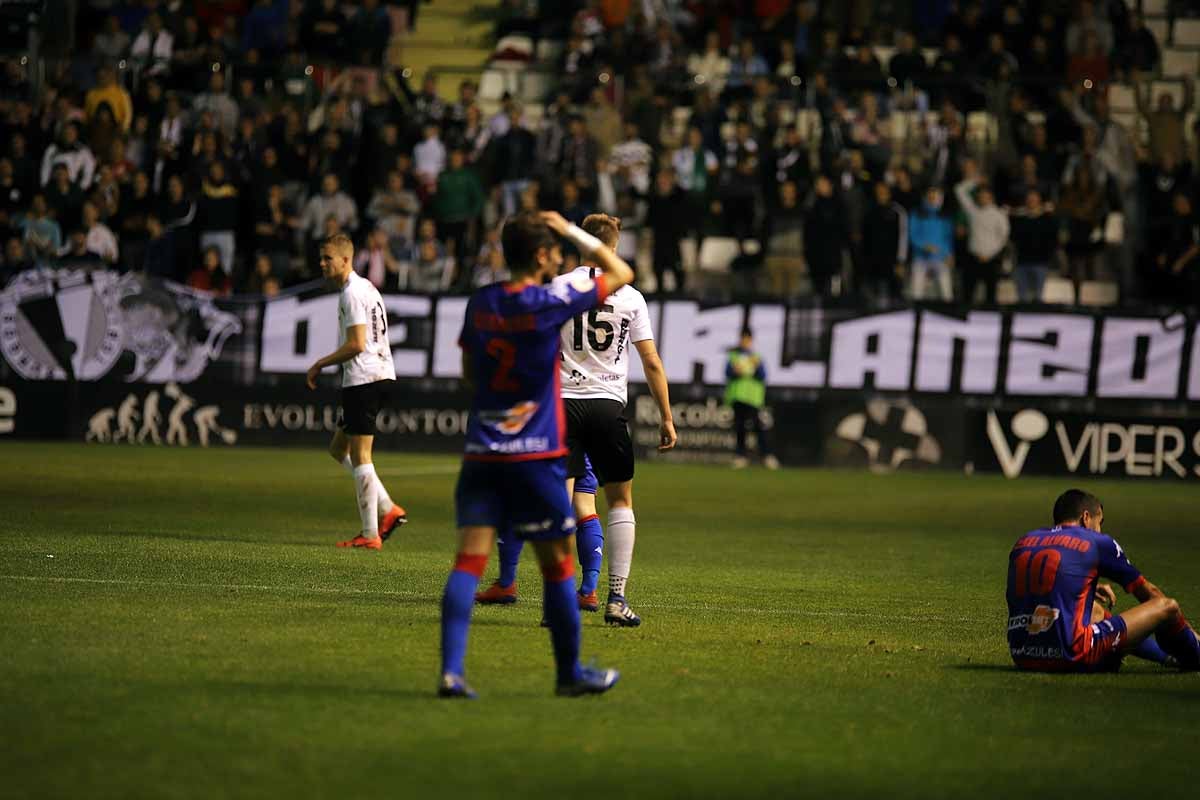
{"points": [[771, 462], [618, 612], [588, 602], [497, 595], [392, 520], [740, 462], [362, 541], [455, 686], [591, 680]]}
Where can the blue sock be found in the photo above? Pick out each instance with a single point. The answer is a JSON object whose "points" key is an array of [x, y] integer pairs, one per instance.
{"points": [[510, 555], [457, 602], [589, 540], [1148, 649], [1178, 639], [562, 612]]}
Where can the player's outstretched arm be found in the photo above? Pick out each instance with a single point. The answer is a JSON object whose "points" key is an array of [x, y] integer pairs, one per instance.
{"points": [[656, 379], [616, 272]]}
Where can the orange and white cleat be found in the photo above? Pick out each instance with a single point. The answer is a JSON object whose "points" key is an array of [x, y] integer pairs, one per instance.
{"points": [[497, 595], [392, 520], [588, 602], [362, 541]]}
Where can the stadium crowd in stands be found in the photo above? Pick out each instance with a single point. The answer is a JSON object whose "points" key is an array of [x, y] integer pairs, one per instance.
{"points": [[852, 149]]}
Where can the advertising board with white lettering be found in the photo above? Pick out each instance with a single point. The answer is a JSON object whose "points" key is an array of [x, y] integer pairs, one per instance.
{"points": [[1034, 441]]}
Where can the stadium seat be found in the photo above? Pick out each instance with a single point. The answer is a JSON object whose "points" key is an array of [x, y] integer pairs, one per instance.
{"points": [[1006, 292], [537, 85], [514, 48], [717, 253], [1098, 293], [1161, 30], [1159, 88], [1155, 8], [550, 49], [493, 83], [1121, 97], [687, 254], [1058, 291], [1179, 63], [1186, 33]]}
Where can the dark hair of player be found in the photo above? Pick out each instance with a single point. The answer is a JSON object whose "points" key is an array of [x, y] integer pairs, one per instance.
{"points": [[1071, 504], [522, 237], [605, 228]]}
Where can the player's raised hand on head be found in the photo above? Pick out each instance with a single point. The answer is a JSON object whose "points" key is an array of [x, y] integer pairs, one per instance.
{"points": [[666, 435], [555, 221]]}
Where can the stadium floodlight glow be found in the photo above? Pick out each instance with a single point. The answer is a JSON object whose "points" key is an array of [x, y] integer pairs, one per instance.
{"points": [[308, 70], [405, 73], [1087, 83], [796, 80], [892, 83], [699, 79], [216, 67], [120, 64], [604, 77]]}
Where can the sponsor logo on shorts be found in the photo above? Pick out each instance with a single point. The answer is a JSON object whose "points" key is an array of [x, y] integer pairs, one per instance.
{"points": [[1041, 620], [534, 527]]}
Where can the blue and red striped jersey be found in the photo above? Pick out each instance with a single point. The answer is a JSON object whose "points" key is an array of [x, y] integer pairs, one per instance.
{"points": [[511, 335], [1052, 576]]}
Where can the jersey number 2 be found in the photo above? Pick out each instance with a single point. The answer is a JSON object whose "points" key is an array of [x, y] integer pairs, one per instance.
{"points": [[594, 325], [505, 352], [1035, 574]]}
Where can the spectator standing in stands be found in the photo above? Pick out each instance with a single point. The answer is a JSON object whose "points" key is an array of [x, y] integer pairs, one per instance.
{"points": [[987, 235], [217, 214], [73, 154], [395, 208], [1174, 245], [1035, 235], [1166, 122], [513, 157], [579, 155], [696, 168], [885, 247], [1083, 206], [152, 47], [112, 42], [99, 238], [667, 214], [64, 198], [457, 205], [825, 236], [324, 31], [369, 31], [42, 236], [217, 101], [108, 91], [785, 241], [376, 263], [603, 121], [429, 158], [330, 201], [931, 234], [710, 67], [209, 277]]}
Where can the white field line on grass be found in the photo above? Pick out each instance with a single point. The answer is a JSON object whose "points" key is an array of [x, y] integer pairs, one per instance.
{"points": [[284, 589]]}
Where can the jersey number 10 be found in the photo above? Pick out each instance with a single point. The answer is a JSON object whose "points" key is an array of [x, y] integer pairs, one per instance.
{"points": [[594, 327], [1035, 573]]}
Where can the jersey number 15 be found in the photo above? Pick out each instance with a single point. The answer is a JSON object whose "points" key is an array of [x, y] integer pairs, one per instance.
{"points": [[595, 326]]}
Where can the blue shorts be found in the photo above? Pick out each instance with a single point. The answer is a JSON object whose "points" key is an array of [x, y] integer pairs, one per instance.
{"points": [[587, 484], [528, 498]]}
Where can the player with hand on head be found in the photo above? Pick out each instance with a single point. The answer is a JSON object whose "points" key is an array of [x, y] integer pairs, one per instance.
{"points": [[365, 356], [1054, 623], [595, 377], [513, 476]]}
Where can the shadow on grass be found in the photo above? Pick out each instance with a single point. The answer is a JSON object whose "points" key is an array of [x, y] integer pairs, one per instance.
{"points": [[1137, 670]]}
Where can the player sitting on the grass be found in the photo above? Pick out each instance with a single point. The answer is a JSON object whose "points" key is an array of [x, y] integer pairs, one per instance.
{"points": [[1054, 623], [365, 355], [589, 537], [513, 476], [595, 374]]}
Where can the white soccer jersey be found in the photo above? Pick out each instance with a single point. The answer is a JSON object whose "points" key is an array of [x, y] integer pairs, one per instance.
{"points": [[597, 346], [360, 304]]}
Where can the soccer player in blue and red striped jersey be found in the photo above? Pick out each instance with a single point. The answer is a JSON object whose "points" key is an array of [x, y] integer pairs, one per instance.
{"points": [[513, 476], [1054, 621]]}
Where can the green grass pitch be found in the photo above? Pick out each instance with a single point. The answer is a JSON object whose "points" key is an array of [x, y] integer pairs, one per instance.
{"points": [[178, 624]]}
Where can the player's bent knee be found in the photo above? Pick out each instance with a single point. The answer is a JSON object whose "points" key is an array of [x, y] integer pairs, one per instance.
{"points": [[559, 570], [1170, 607]]}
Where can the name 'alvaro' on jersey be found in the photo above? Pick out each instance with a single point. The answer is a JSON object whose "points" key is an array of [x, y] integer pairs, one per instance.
{"points": [[596, 344]]}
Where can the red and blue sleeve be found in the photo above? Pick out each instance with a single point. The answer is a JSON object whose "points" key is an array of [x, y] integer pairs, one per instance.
{"points": [[1115, 565]]}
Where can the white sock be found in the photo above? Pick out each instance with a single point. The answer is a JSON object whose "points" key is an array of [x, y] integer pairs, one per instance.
{"points": [[383, 498], [620, 548], [368, 500]]}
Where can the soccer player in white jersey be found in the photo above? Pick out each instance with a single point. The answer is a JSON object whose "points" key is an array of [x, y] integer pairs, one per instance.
{"points": [[595, 373], [365, 357]]}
